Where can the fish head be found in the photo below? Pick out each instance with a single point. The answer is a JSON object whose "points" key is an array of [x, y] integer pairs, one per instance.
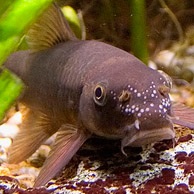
{"points": [[128, 102]]}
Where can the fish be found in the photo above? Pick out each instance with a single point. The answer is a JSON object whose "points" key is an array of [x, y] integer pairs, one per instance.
{"points": [[78, 89]]}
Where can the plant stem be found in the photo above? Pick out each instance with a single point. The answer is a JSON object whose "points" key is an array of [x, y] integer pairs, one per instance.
{"points": [[138, 30]]}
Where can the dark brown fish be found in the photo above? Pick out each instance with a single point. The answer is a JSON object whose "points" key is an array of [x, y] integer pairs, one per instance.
{"points": [[79, 88]]}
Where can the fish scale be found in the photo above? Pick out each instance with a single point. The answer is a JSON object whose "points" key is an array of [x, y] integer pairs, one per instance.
{"points": [[78, 89]]}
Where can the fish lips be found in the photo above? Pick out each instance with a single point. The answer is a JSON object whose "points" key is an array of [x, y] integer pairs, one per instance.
{"points": [[138, 137]]}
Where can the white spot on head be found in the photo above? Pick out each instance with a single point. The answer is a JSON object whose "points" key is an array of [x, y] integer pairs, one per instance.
{"points": [[160, 106], [147, 109], [126, 110], [139, 114], [135, 91], [133, 107], [138, 94], [142, 110], [152, 104], [152, 95]]}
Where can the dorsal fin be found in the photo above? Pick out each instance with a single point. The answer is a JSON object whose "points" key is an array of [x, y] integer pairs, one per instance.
{"points": [[50, 29]]}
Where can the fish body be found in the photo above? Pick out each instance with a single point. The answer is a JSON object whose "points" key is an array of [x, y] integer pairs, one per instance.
{"points": [[78, 88], [58, 78]]}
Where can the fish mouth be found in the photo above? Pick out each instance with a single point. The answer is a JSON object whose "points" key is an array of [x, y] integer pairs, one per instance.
{"points": [[143, 137]]}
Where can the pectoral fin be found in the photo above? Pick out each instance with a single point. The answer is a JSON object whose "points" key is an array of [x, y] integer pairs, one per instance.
{"points": [[69, 139], [183, 115], [34, 130]]}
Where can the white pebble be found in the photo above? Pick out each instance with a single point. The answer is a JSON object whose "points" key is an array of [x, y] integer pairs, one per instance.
{"points": [[5, 142], [8, 130]]}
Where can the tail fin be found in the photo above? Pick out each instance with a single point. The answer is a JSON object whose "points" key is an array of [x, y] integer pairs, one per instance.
{"points": [[17, 63]]}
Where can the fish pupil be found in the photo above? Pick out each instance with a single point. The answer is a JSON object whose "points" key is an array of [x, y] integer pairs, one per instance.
{"points": [[98, 93]]}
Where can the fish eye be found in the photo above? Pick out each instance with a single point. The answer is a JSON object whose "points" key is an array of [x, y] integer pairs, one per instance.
{"points": [[100, 95]]}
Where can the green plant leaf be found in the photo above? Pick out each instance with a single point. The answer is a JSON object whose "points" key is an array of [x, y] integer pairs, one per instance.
{"points": [[138, 30], [73, 20], [15, 18], [10, 88], [15, 21]]}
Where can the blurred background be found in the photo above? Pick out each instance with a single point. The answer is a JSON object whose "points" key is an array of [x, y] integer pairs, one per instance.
{"points": [[164, 29], [111, 20]]}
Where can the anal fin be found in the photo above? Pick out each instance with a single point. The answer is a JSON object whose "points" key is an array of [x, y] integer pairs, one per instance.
{"points": [[34, 130], [68, 140]]}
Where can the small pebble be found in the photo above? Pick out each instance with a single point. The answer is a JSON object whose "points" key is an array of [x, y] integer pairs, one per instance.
{"points": [[16, 119], [38, 158], [5, 142], [8, 130], [26, 180], [4, 171]]}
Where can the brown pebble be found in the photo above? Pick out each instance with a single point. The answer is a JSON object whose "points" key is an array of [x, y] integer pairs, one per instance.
{"points": [[185, 138]]}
